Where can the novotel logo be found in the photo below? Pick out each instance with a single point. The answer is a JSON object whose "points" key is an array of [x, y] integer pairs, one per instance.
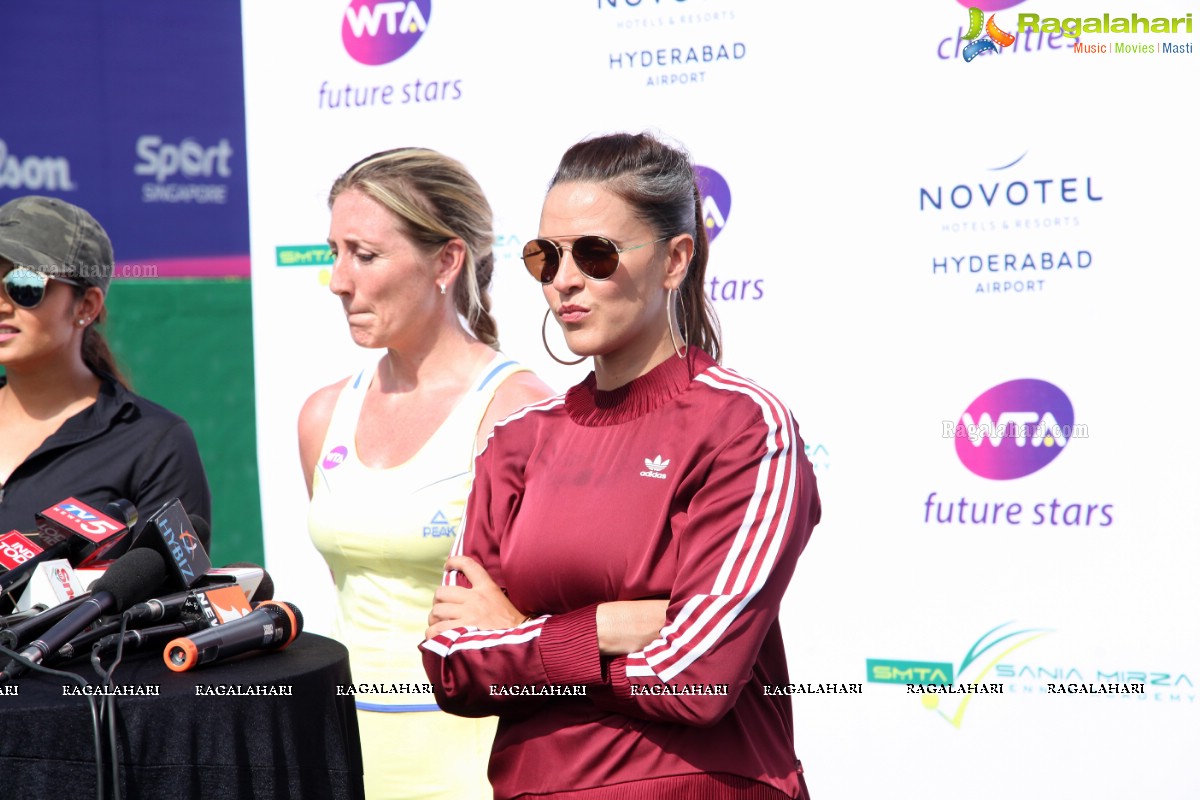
{"points": [[1014, 429], [376, 32]]}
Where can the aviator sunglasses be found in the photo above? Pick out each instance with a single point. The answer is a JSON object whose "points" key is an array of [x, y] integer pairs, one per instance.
{"points": [[596, 257], [27, 288]]}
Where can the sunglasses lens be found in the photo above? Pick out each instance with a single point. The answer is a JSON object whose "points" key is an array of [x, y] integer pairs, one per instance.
{"points": [[596, 256], [24, 287], [541, 259]]}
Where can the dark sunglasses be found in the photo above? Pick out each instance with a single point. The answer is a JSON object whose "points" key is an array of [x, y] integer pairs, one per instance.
{"points": [[27, 288], [596, 257]]}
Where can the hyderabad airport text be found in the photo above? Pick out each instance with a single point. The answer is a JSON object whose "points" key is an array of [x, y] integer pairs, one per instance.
{"points": [[1012, 262]]}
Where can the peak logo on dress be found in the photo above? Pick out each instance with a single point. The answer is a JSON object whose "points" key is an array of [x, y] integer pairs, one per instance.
{"points": [[438, 526], [335, 457], [715, 198], [655, 467], [1014, 429], [378, 32]]}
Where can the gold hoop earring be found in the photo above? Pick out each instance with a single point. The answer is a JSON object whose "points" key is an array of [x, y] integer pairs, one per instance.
{"points": [[546, 344], [680, 351]]}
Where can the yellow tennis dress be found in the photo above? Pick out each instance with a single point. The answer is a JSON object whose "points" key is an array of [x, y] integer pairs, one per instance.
{"points": [[385, 534]]}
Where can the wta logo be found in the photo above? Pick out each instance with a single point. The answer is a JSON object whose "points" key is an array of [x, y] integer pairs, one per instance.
{"points": [[1014, 429], [991, 43], [376, 32], [335, 457], [990, 5], [715, 200]]}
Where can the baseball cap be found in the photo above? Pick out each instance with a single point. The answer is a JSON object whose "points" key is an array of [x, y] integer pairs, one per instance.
{"points": [[53, 236]]}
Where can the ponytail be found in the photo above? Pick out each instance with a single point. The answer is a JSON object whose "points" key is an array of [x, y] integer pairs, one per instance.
{"points": [[97, 355]]}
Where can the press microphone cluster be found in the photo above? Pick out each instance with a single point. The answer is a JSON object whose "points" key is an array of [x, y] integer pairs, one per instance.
{"points": [[227, 594], [69, 529], [161, 590], [131, 578]]}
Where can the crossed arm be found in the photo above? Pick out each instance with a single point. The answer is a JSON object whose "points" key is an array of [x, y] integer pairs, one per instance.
{"points": [[622, 626]]}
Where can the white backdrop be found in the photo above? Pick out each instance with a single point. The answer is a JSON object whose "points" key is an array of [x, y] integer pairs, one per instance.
{"points": [[838, 130]]}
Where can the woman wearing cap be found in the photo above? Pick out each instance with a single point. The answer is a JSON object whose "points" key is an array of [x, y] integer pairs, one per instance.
{"points": [[663, 478], [388, 452], [69, 425]]}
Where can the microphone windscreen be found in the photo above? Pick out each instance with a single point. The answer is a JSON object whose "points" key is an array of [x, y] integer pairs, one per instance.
{"points": [[203, 530], [122, 511], [133, 577]]}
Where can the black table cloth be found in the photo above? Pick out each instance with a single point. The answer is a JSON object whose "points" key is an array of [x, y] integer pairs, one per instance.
{"points": [[189, 742]]}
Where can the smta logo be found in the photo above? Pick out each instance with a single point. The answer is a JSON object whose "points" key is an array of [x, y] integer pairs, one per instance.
{"points": [[335, 457], [995, 39], [715, 199], [1014, 429], [377, 32], [941, 674]]}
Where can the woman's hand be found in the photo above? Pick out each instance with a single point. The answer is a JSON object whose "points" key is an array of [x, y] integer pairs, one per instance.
{"points": [[627, 626], [484, 605]]}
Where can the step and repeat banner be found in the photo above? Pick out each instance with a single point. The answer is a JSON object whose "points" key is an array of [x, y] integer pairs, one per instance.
{"points": [[134, 111], [958, 240]]}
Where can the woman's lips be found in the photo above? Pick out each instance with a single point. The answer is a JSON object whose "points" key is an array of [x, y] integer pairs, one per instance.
{"points": [[572, 313]]}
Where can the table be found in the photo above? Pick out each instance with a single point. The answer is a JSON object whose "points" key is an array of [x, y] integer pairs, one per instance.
{"points": [[194, 740]]}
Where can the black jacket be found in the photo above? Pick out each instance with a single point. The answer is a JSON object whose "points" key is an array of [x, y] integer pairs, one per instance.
{"points": [[122, 446]]}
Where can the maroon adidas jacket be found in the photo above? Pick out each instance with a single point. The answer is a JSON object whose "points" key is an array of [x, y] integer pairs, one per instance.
{"points": [[689, 483]]}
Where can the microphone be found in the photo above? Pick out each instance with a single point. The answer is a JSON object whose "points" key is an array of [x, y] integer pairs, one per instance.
{"points": [[132, 576], [120, 510], [21, 616], [69, 529], [146, 637], [15, 634], [219, 602], [272, 626], [52, 583], [177, 537], [93, 533], [16, 548], [192, 610]]}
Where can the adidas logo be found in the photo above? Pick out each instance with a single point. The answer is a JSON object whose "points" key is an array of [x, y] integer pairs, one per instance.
{"points": [[655, 467]]}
